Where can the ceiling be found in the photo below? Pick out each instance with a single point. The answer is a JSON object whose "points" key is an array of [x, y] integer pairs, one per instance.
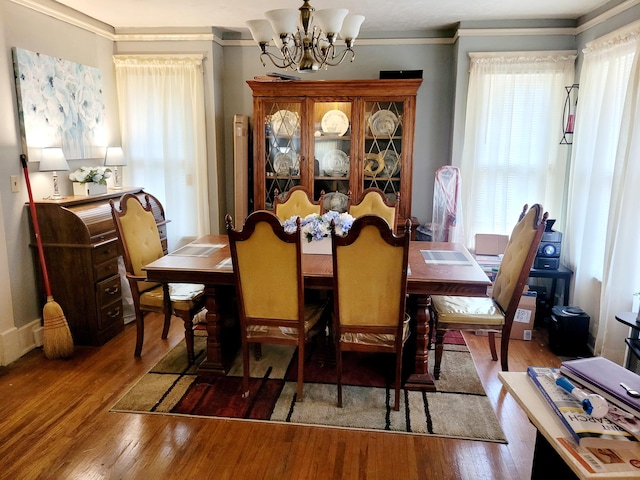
{"points": [[380, 15]]}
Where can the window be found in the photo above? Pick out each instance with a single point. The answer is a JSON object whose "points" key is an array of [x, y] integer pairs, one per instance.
{"points": [[511, 153]]}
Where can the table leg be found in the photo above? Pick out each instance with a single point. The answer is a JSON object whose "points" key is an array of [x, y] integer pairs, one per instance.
{"points": [[221, 344], [421, 379]]}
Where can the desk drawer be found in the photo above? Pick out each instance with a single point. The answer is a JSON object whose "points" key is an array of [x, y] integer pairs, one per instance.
{"points": [[110, 315], [109, 290], [106, 269], [105, 252]]}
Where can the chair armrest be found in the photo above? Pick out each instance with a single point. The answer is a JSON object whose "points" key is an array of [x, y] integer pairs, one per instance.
{"points": [[140, 278]]}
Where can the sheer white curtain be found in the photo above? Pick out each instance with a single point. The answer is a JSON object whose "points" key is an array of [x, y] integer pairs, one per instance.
{"points": [[511, 154], [162, 120], [601, 244]]}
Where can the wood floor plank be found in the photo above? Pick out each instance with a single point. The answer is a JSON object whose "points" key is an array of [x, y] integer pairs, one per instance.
{"points": [[55, 423]]}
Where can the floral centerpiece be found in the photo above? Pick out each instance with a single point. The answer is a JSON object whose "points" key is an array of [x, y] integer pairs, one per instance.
{"points": [[316, 227], [90, 180], [90, 175]]}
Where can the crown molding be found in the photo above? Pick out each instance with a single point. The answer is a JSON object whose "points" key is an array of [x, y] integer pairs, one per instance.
{"points": [[69, 16], [80, 20], [604, 16]]}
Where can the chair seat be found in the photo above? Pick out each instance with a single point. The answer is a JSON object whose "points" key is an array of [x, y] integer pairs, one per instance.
{"points": [[184, 296], [378, 339], [312, 314], [467, 310]]}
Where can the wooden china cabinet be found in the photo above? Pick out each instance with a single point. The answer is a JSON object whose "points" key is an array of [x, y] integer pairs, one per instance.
{"points": [[334, 136]]}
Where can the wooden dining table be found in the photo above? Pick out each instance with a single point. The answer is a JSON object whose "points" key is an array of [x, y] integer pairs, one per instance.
{"points": [[435, 268]]}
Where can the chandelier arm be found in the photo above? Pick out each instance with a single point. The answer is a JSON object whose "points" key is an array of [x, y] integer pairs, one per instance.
{"points": [[342, 57], [276, 60]]}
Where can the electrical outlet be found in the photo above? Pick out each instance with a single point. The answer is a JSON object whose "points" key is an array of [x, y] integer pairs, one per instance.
{"points": [[15, 186]]}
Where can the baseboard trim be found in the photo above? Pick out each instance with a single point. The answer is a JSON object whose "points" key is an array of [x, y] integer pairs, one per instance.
{"points": [[16, 342]]}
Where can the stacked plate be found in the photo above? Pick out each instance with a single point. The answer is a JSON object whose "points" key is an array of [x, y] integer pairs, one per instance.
{"points": [[383, 123]]}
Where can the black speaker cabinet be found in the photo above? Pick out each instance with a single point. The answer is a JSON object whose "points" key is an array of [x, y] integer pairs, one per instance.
{"points": [[568, 331]]}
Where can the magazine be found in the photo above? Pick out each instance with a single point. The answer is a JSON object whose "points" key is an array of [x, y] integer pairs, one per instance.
{"points": [[616, 459], [587, 431]]}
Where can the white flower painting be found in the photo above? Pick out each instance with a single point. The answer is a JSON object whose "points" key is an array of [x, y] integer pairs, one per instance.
{"points": [[60, 104]]}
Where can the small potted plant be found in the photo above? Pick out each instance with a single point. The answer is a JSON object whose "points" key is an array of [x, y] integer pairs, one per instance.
{"points": [[90, 180]]}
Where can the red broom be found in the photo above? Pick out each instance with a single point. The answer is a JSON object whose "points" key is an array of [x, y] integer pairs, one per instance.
{"points": [[58, 342]]}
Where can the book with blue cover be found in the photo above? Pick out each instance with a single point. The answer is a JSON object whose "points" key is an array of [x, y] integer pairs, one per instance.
{"points": [[586, 431]]}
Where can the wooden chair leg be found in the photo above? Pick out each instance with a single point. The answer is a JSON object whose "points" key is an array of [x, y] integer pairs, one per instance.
{"points": [[257, 351], [339, 370], [439, 351], [300, 372], [504, 352], [396, 406], [245, 366], [167, 312], [492, 345], [139, 332]]}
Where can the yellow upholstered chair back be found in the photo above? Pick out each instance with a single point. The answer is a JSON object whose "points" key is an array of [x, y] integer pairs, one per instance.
{"points": [[374, 203], [140, 238], [518, 257], [370, 279], [296, 202], [268, 272]]}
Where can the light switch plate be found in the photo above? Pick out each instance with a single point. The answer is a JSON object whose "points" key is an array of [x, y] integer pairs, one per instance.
{"points": [[15, 186]]}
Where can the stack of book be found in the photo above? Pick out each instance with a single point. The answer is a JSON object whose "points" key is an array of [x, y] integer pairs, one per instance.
{"points": [[619, 428], [606, 378]]}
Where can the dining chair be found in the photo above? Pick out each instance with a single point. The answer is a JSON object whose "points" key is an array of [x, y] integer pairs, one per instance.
{"points": [[495, 312], [374, 202], [140, 245], [267, 270], [369, 292], [297, 201]]}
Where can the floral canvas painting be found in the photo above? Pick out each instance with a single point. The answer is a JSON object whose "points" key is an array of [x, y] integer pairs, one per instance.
{"points": [[60, 104]]}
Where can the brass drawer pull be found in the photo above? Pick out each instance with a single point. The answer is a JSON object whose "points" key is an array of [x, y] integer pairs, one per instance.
{"points": [[114, 314], [112, 290]]}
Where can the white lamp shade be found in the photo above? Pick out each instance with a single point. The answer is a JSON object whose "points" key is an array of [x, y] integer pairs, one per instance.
{"points": [[53, 160], [115, 157], [283, 20], [261, 30], [330, 19], [351, 26]]}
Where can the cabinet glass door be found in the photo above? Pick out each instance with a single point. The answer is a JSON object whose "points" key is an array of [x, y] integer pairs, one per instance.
{"points": [[332, 153], [383, 159], [282, 148]]}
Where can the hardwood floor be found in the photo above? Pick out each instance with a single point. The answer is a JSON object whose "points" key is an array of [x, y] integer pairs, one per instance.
{"points": [[55, 423]]}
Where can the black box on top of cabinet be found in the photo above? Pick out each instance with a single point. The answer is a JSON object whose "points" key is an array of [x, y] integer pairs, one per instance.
{"points": [[568, 331]]}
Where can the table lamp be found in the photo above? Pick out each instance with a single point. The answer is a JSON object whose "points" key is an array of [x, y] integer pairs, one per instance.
{"points": [[53, 160], [115, 158]]}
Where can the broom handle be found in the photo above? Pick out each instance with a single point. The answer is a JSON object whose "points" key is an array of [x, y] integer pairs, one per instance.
{"points": [[36, 227]]}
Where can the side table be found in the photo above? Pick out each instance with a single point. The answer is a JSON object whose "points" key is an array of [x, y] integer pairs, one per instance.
{"points": [[632, 360]]}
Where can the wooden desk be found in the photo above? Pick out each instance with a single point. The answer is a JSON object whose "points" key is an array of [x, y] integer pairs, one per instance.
{"points": [[424, 280], [550, 458]]}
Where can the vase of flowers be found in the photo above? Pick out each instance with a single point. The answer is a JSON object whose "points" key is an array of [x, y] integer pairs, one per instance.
{"points": [[316, 230], [90, 180]]}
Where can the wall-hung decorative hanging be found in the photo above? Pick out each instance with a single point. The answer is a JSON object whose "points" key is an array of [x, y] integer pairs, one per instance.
{"points": [[60, 104], [569, 114]]}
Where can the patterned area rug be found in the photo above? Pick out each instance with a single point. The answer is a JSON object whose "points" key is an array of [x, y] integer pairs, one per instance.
{"points": [[459, 409]]}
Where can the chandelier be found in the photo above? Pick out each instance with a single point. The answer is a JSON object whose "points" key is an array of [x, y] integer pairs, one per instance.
{"points": [[310, 46]]}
